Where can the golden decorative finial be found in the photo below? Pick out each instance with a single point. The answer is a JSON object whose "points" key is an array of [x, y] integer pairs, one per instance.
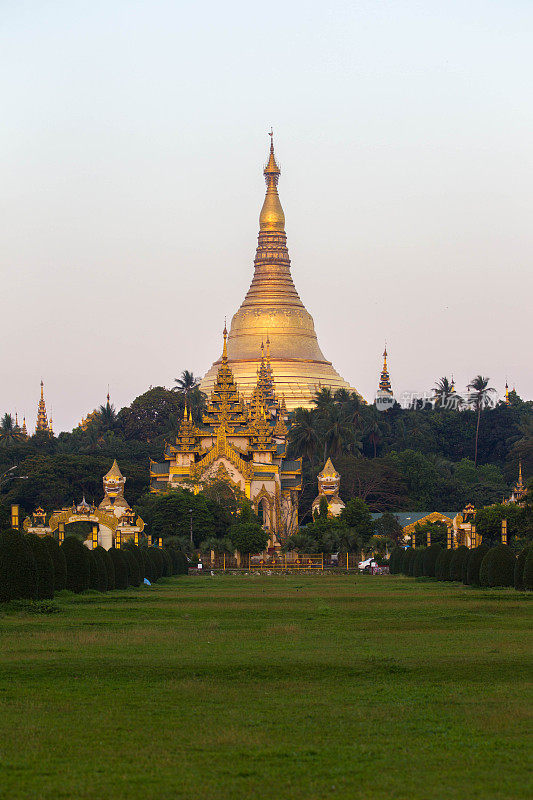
{"points": [[42, 389], [185, 411], [108, 394], [272, 217], [225, 348], [507, 401]]}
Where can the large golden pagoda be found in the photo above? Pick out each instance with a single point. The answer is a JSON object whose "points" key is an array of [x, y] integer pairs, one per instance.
{"points": [[273, 310]]}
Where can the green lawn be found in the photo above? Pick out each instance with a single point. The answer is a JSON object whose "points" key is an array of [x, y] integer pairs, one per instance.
{"points": [[269, 687]]}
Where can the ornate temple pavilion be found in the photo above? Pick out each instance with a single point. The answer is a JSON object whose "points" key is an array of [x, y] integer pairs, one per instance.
{"points": [[273, 310], [243, 444]]}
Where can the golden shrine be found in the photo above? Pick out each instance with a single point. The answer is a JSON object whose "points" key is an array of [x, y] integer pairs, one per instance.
{"points": [[43, 425], [273, 310], [243, 444]]}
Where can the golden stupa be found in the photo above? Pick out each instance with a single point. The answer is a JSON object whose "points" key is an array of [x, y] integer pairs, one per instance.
{"points": [[272, 312]]}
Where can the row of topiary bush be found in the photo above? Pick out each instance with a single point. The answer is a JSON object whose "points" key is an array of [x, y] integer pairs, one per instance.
{"points": [[36, 567], [481, 566]]}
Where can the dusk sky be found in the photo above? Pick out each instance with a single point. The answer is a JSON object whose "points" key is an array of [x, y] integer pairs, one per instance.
{"points": [[132, 144]]}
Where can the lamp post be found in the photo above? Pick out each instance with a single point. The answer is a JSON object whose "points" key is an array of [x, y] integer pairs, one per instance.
{"points": [[190, 512]]}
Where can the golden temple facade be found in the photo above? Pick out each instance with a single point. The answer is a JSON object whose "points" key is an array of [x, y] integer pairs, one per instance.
{"points": [[242, 444], [273, 310]]}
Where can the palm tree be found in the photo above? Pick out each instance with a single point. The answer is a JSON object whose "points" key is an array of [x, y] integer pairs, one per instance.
{"points": [[9, 433], [107, 417], [480, 396], [303, 434], [196, 402], [185, 383], [323, 400], [339, 433], [444, 394]]}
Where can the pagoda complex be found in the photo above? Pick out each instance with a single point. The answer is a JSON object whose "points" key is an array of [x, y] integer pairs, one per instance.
{"points": [[272, 309], [242, 444]]}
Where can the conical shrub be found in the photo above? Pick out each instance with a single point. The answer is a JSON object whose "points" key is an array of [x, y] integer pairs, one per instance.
{"points": [[430, 559], [497, 567], [519, 569], [475, 557], [418, 562], [18, 571], [58, 560], [78, 568], [45, 567], [120, 563], [108, 565], [457, 563]]}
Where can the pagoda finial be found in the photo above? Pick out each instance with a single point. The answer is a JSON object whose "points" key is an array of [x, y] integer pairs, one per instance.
{"points": [[225, 347], [108, 394], [520, 484], [272, 217], [42, 389], [24, 428], [507, 401]]}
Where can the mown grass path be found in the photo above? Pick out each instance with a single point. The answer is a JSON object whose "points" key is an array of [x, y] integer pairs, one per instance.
{"points": [[269, 687]]}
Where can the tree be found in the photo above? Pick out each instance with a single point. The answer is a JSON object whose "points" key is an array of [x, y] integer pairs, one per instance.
{"points": [[444, 393], [185, 383], [388, 526], [303, 435], [356, 515], [481, 397], [489, 522], [147, 417], [9, 433], [248, 537]]}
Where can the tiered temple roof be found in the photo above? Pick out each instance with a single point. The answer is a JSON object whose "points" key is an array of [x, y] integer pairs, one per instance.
{"points": [[384, 381]]}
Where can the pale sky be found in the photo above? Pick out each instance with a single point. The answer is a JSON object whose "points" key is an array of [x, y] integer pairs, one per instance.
{"points": [[132, 143]]}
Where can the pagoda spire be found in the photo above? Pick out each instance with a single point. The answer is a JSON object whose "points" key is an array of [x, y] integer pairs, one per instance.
{"points": [[384, 382], [272, 306], [507, 401], [24, 428], [42, 417]]}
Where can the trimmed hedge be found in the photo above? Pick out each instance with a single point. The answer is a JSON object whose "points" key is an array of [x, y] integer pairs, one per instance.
{"points": [[135, 549], [458, 561], [148, 569], [395, 560], [167, 563], [430, 559], [109, 567], [156, 560], [77, 558], [519, 569], [527, 576], [418, 562], [475, 557], [45, 567], [408, 562], [444, 565], [497, 567], [181, 567], [98, 574], [133, 567], [58, 560], [18, 571], [120, 563]]}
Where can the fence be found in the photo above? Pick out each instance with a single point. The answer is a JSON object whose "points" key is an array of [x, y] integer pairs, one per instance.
{"points": [[282, 562]]}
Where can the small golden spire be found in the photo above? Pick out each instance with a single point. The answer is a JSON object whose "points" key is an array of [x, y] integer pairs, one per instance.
{"points": [[225, 348], [24, 428], [185, 411], [507, 401], [384, 382], [452, 386], [272, 217]]}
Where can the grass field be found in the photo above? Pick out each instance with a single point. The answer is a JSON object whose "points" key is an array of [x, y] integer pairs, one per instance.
{"points": [[269, 687]]}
